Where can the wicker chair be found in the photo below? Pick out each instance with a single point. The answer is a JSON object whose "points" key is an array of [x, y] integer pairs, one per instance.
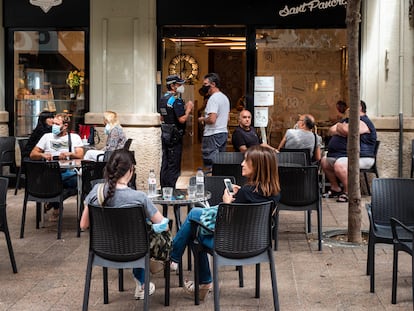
{"points": [[300, 191], [403, 241], [22, 144], [118, 239], [373, 169], [7, 153], [295, 156], [229, 164], [242, 236], [391, 197], [292, 158], [43, 184], [3, 220]]}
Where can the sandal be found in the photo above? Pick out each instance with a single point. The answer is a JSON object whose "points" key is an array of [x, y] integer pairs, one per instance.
{"points": [[204, 289], [333, 194], [343, 198]]}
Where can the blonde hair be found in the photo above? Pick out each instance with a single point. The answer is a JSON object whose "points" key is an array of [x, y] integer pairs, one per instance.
{"points": [[111, 118]]}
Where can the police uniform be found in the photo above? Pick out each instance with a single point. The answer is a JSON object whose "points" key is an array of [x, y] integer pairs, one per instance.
{"points": [[171, 108]]}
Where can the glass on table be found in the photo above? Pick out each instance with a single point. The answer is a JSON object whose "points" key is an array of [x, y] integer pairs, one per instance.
{"points": [[167, 193], [191, 190]]}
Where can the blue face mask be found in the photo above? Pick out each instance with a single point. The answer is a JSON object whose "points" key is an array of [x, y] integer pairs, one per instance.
{"points": [[107, 129], [56, 129]]}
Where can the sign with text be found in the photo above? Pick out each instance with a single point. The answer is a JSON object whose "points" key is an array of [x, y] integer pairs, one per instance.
{"points": [[266, 84], [261, 116], [263, 98]]}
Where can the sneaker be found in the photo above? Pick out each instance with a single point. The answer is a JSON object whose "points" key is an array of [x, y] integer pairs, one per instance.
{"points": [[139, 290], [55, 216], [173, 266]]}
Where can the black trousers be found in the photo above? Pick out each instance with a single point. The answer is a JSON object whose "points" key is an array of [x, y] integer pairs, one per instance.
{"points": [[171, 164]]}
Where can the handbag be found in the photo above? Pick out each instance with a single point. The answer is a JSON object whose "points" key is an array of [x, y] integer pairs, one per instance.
{"points": [[160, 245]]}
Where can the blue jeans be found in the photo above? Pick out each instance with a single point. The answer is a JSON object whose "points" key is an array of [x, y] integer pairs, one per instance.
{"points": [[211, 146], [183, 238], [139, 274]]}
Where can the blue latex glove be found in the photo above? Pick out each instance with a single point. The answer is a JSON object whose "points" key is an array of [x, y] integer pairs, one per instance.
{"points": [[162, 226]]}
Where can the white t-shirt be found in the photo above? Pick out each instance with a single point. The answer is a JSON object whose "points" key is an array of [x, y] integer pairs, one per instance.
{"points": [[217, 103], [53, 144]]}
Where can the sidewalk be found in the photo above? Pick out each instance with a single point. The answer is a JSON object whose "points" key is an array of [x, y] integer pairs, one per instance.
{"points": [[52, 272]]}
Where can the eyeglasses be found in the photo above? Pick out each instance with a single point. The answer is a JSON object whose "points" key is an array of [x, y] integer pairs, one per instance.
{"points": [[301, 120]]}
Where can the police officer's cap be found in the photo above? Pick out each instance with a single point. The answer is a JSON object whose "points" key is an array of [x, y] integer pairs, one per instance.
{"points": [[174, 79]]}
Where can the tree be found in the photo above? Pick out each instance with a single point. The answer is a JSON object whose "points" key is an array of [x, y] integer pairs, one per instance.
{"points": [[353, 19]]}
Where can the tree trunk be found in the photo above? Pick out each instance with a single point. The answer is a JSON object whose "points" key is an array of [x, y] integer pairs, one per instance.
{"points": [[353, 19]]}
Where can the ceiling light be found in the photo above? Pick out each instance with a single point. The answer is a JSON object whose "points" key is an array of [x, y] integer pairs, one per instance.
{"points": [[226, 44]]}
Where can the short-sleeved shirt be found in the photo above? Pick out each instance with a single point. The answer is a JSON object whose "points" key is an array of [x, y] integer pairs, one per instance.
{"points": [[219, 104], [300, 139], [172, 108], [241, 137], [122, 198], [50, 143]]}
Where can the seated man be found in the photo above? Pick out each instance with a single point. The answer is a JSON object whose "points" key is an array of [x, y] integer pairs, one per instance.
{"points": [[60, 145], [302, 137], [245, 136], [335, 164]]}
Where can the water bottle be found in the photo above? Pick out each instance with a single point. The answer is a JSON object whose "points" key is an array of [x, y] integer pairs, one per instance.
{"points": [[152, 183], [200, 183]]}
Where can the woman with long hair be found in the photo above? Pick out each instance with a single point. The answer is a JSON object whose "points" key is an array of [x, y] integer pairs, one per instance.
{"points": [[260, 168], [116, 136], [116, 193]]}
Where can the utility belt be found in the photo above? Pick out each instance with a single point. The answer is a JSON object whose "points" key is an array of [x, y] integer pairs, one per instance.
{"points": [[170, 134]]}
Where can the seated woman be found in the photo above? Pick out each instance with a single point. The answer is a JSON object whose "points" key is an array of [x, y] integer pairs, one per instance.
{"points": [[260, 168], [44, 125], [118, 172], [116, 136]]}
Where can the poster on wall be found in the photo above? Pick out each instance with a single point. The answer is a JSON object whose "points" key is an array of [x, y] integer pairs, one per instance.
{"points": [[261, 116], [263, 98], [264, 84]]}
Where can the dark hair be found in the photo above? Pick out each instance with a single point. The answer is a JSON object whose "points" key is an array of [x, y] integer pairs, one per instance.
{"points": [[363, 106], [43, 116], [309, 123], [119, 163], [341, 106], [64, 116], [213, 78]]}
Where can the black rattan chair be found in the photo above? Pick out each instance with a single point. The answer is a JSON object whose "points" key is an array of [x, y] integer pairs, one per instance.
{"points": [[295, 156], [91, 170], [229, 164], [373, 169], [403, 241], [118, 238], [300, 191], [7, 153], [43, 184], [242, 236], [128, 144], [292, 158], [391, 197], [4, 182], [22, 144]]}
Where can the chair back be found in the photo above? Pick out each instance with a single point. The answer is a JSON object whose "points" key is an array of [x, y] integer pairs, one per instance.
{"points": [[7, 150], [22, 145], [296, 157], [299, 186], [128, 144], [43, 179], [293, 158], [229, 164], [392, 197], [243, 230], [91, 170], [4, 182], [118, 233], [214, 184]]}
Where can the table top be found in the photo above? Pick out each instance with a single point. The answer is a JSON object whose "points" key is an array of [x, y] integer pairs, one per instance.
{"points": [[180, 201], [70, 164]]}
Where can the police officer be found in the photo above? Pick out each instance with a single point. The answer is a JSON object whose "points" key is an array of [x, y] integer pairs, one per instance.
{"points": [[174, 114]]}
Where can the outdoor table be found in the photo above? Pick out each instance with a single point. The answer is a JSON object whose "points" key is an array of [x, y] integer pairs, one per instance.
{"points": [[176, 203]]}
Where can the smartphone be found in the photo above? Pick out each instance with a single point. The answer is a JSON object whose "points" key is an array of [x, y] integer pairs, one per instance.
{"points": [[229, 186]]}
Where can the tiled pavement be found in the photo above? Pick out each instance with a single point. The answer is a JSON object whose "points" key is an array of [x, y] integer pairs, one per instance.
{"points": [[52, 272]]}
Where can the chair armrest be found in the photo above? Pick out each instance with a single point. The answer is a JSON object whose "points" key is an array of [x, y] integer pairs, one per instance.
{"points": [[197, 223], [395, 224]]}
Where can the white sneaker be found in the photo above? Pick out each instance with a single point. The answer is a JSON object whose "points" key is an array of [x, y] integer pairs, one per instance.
{"points": [[139, 290], [173, 266]]}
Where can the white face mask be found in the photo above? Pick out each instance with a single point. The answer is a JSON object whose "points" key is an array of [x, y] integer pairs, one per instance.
{"points": [[180, 89]]}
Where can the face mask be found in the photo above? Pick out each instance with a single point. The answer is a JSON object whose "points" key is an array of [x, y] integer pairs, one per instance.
{"points": [[107, 129], [205, 88], [56, 129], [180, 89]]}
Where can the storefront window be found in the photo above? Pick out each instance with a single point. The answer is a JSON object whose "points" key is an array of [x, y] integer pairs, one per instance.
{"points": [[310, 73], [43, 62]]}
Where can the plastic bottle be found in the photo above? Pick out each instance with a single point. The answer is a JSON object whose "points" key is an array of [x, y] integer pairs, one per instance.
{"points": [[152, 183], [84, 140], [200, 182]]}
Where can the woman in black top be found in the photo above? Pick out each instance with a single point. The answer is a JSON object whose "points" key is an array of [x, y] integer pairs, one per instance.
{"points": [[44, 125]]}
